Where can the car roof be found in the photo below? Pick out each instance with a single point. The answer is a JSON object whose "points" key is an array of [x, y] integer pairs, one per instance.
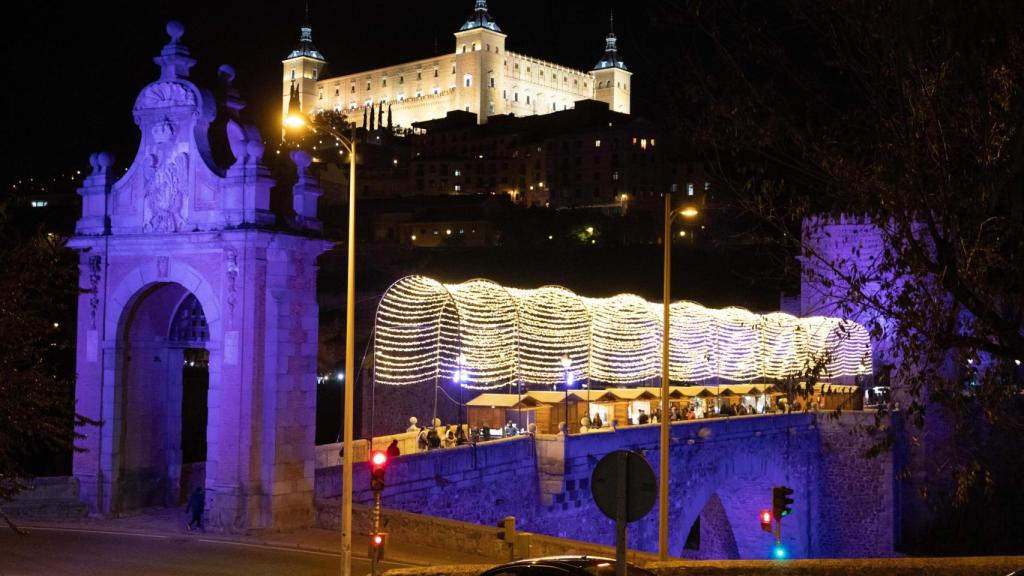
{"points": [[569, 561]]}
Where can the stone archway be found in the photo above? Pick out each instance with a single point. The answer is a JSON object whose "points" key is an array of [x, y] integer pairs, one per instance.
{"points": [[160, 323], [186, 227]]}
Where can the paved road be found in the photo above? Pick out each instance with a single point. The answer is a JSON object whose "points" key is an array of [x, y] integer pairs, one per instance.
{"points": [[54, 552]]}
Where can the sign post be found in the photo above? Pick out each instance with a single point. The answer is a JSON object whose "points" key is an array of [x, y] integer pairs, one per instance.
{"points": [[624, 489]]}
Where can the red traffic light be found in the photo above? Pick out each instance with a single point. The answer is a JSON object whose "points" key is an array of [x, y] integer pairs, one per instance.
{"points": [[378, 465], [766, 520], [377, 539]]}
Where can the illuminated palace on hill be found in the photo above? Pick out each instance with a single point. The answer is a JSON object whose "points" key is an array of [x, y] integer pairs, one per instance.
{"points": [[479, 76]]}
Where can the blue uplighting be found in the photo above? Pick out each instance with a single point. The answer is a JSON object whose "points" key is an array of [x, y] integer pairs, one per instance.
{"points": [[779, 552]]}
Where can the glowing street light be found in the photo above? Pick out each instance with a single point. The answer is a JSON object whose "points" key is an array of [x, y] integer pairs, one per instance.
{"points": [[297, 122]]}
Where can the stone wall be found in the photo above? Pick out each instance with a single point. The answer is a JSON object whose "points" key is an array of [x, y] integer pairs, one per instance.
{"points": [[722, 471]]}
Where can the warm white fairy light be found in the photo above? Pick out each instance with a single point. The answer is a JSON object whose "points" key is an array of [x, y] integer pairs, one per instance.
{"points": [[509, 336]]}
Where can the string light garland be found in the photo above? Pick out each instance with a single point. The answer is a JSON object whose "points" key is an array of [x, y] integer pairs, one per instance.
{"points": [[487, 336]]}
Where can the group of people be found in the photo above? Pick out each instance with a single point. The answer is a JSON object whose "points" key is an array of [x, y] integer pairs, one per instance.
{"points": [[434, 437]]}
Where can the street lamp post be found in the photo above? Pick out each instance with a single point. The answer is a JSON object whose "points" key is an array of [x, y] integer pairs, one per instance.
{"points": [[566, 363], [664, 420], [459, 377], [349, 144]]}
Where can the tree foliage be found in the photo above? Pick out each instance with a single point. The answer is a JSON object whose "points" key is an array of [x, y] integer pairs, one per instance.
{"points": [[908, 118], [37, 296]]}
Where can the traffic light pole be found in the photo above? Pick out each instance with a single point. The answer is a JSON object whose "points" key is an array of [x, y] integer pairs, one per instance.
{"points": [[374, 549]]}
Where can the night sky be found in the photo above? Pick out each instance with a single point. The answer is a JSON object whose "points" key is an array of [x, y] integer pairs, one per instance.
{"points": [[74, 70]]}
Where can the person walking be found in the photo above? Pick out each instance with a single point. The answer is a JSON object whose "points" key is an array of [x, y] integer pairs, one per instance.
{"points": [[196, 506]]}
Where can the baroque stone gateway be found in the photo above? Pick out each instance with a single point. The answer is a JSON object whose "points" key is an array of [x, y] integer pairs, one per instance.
{"points": [[197, 294]]}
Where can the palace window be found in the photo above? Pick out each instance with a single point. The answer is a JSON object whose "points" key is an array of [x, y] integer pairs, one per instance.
{"points": [[419, 75], [293, 73], [384, 83], [468, 80], [435, 72], [492, 81], [436, 90], [401, 79]]}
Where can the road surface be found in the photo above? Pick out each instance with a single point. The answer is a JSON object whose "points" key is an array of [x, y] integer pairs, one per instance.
{"points": [[57, 552]]}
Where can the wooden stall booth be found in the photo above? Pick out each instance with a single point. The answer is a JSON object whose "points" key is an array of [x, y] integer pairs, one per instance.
{"points": [[494, 411], [555, 404]]}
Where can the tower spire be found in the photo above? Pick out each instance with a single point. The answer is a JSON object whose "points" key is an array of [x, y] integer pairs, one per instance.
{"points": [[611, 57], [305, 46], [481, 18]]}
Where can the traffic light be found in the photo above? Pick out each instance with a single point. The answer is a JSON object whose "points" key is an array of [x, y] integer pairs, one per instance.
{"points": [[378, 466], [377, 542], [779, 552], [508, 529], [781, 501], [766, 520]]}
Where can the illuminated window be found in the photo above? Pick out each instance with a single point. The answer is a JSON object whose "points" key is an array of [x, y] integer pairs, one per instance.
{"points": [[39, 203], [597, 143], [458, 172], [689, 189], [468, 80], [707, 186], [293, 74], [643, 144], [458, 188], [615, 176], [436, 90]]}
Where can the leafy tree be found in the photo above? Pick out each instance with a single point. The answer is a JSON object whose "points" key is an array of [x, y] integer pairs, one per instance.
{"points": [[37, 295], [908, 117]]}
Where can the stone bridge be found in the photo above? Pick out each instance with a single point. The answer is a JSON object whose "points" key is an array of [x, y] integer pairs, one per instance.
{"points": [[722, 474]]}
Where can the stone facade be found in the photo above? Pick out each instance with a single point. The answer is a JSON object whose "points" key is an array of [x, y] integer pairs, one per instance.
{"points": [[183, 253], [723, 472], [478, 76]]}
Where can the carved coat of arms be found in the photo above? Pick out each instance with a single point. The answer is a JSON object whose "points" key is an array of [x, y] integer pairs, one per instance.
{"points": [[166, 182]]}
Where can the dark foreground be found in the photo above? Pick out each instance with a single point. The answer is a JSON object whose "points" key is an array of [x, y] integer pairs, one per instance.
{"points": [[86, 553]]}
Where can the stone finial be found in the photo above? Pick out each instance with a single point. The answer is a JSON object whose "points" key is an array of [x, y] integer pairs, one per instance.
{"points": [[175, 30], [100, 163], [226, 73], [562, 427], [174, 59], [302, 161]]}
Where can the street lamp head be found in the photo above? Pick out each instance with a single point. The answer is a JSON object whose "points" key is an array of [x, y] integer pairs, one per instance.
{"points": [[294, 121], [689, 212]]}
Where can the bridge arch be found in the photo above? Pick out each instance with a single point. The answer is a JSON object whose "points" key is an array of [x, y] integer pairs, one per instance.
{"points": [[719, 486]]}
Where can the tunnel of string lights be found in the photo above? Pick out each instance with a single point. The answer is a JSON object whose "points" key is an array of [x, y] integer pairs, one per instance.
{"points": [[486, 336]]}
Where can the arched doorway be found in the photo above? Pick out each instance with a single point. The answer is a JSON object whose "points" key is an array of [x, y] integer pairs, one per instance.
{"points": [[163, 384]]}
